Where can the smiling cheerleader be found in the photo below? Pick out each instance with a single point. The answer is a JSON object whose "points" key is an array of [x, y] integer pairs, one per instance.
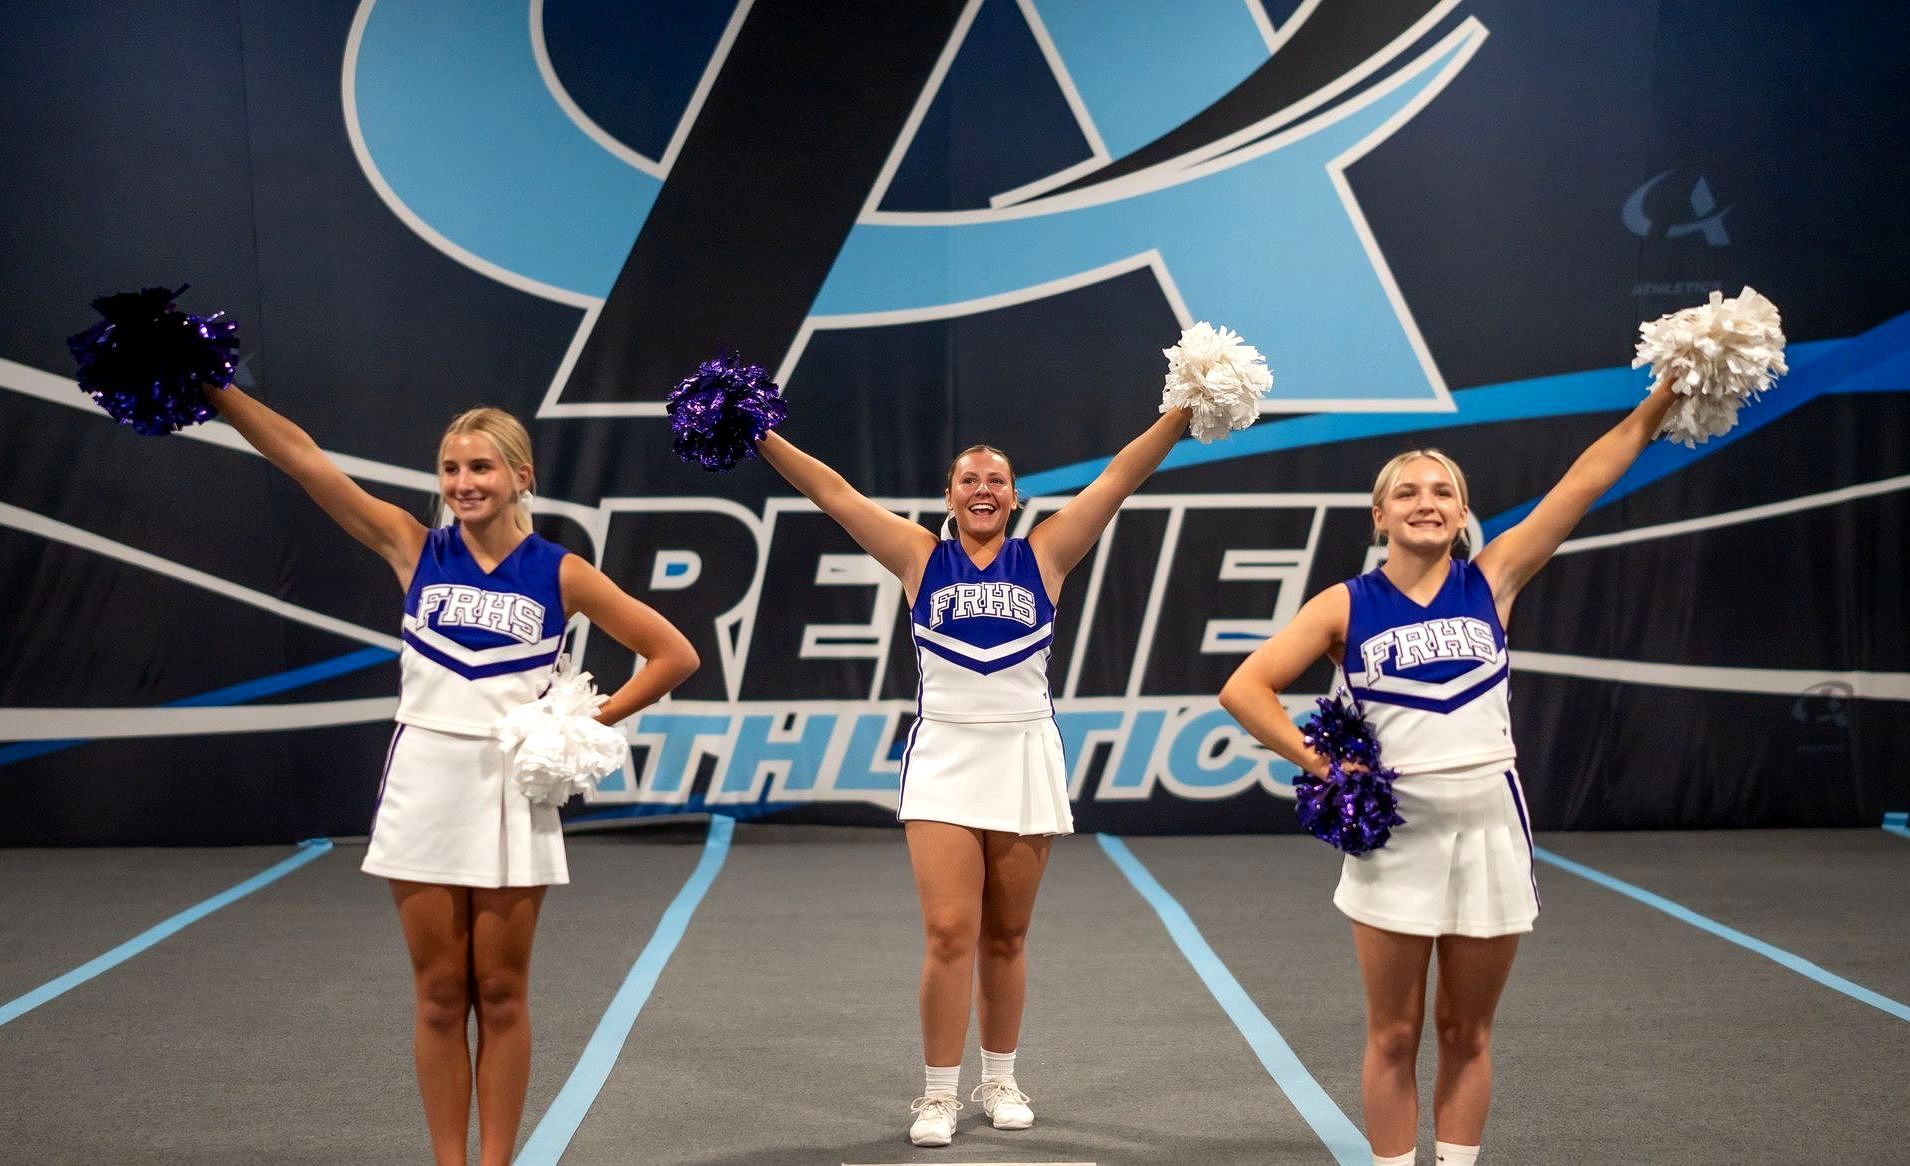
{"points": [[984, 783], [468, 847], [1421, 646]]}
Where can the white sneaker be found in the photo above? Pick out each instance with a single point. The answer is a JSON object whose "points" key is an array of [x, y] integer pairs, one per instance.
{"points": [[1004, 1104], [934, 1120]]}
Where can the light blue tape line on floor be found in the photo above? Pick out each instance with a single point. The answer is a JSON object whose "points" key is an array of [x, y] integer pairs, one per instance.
{"points": [[1343, 1140], [1898, 824], [1776, 955], [307, 851], [559, 1123]]}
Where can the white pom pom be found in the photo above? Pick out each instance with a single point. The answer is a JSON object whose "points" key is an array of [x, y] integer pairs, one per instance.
{"points": [[1716, 356], [555, 745], [1218, 378]]}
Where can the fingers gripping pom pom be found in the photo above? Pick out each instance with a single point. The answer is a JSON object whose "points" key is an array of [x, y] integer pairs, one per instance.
{"points": [[555, 744], [1354, 810], [1221, 380], [719, 413], [1717, 356], [146, 362]]}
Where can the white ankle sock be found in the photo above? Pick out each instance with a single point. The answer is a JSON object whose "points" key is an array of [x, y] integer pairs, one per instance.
{"points": [[1405, 1159], [940, 1082], [996, 1066], [1448, 1154]]}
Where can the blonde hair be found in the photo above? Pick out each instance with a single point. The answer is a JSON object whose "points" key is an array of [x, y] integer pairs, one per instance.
{"points": [[513, 443], [1389, 477]]}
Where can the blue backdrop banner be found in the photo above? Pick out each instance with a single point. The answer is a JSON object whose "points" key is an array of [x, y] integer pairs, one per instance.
{"points": [[939, 223]]}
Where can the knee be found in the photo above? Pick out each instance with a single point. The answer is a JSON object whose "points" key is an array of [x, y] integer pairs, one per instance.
{"points": [[1004, 943], [444, 1000], [949, 938], [1395, 1041], [1464, 1038], [503, 997]]}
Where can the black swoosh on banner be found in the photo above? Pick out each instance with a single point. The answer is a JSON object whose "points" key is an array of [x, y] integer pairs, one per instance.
{"points": [[794, 133], [1334, 40]]}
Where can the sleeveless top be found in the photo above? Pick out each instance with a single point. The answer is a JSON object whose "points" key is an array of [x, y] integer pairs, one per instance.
{"points": [[982, 636], [1432, 680], [477, 644]]}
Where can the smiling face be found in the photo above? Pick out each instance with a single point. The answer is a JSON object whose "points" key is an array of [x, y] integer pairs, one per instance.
{"points": [[981, 493], [477, 483], [1419, 504]]}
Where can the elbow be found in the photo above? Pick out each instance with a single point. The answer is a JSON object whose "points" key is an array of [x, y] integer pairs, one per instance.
{"points": [[687, 662], [1233, 695], [670, 665], [1244, 693]]}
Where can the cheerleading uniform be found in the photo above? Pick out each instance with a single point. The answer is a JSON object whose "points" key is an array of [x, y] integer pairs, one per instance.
{"points": [[984, 750], [476, 644], [1431, 681]]}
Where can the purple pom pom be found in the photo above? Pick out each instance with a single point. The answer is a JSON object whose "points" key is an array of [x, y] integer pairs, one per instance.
{"points": [[1354, 810], [722, 411], [146, 362]]}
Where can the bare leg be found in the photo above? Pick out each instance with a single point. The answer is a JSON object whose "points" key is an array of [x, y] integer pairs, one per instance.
{"points": [[1472, 973], [1014, 865], [437, 926], [503, 923], [948, 863], [1393, 970]]}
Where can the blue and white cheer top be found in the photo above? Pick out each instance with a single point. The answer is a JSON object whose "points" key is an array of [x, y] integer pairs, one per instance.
{"points": [[1430, 680], [982, 636], [477, 645]]}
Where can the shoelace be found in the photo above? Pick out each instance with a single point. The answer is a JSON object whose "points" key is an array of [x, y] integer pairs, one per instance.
{"points": [[993, 1093], [925, 1105]]}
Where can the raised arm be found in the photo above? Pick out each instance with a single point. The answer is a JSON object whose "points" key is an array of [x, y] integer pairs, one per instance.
{"points": [[1063, 538], [668, 657], [1252, 693], [397, 537], [899, 545], [1510, 560]]}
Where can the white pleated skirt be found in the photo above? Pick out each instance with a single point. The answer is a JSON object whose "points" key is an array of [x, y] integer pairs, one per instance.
{"points": [[997, 775], [1461, 865], [449, 813]]}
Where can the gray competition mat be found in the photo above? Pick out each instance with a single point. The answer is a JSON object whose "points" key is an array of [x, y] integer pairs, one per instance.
{"points": [[65, 907], [783, 1030], [1839, 898], [278, 1030], [1624, 1034]]}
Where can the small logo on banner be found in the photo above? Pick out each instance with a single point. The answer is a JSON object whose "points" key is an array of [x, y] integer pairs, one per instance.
{"points": [[1706, 220], [1822, 711]]}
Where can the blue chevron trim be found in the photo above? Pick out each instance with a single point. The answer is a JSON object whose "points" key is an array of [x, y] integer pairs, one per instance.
{"points": [[1424, 704]]}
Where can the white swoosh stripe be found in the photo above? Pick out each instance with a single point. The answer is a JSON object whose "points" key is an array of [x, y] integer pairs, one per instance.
{"points": [[1776, 681], [59, 724], [86, 540], [1734, 517]]}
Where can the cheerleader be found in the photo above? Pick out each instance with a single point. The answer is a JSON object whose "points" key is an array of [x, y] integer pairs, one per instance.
{"points": [[467, 854], [1421, 645], [984, 783]]}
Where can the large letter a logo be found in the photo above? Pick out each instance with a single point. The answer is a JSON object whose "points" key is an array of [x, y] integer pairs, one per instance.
{"points": [[765, 224]]}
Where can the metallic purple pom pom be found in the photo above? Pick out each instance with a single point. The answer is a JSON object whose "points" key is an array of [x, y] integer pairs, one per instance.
{"points": [[721, 412], [1354, 810], [146, 362]]}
